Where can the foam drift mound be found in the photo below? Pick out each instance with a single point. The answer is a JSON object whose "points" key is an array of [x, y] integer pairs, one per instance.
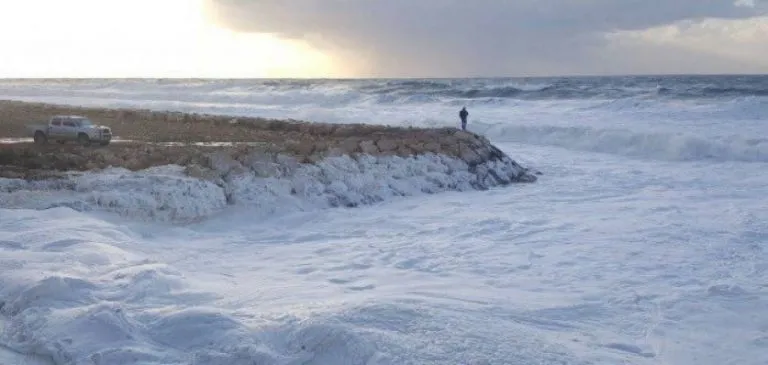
{"points": [[286, 165], [83, 300], [75, 292]]}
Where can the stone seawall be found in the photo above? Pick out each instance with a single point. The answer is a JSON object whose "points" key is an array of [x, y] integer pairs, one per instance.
{"points": [[222, 145]]}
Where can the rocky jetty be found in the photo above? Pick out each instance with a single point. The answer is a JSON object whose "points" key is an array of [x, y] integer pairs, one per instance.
{"points": [[216, 147], [182, 168], [211, 145]]}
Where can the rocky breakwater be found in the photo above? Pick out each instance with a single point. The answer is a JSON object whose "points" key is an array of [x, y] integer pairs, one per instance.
{"points": [[265, 163], [267, 157], [223, 159]]}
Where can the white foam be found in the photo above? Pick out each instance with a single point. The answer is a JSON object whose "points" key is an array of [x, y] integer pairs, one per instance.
{"points": [[609, 260], [566, 270], [151, 194], [166, 194], [63, 305]]}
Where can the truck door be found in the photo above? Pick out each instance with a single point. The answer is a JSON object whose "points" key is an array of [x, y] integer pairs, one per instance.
{"points": [[68, 129], [54, 128]]}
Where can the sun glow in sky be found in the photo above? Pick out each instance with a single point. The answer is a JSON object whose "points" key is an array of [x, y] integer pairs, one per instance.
{"points": [[140, 38]]}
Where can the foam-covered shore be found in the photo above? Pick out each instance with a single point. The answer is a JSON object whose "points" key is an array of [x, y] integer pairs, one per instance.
{"points": [[271, 164], [77, 298]]}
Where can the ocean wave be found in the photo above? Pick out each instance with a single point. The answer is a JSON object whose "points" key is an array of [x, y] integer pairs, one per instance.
{"points": [[665, 146], [349, 92], [715, 91]]}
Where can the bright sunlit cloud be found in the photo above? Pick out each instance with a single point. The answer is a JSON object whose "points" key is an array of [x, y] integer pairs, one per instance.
{"points": [[741, 42], [140, 38], [379, 38], [450, 38]]}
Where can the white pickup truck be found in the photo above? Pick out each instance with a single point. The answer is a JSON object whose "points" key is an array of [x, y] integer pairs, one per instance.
{"points": [[63, 128]]}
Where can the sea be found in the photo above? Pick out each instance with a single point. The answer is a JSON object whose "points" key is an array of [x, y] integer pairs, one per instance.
{"points": [[644, 240]]}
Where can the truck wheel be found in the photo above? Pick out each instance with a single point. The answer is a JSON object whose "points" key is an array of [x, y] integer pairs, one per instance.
{"points": [[40, 138], [83, 139]]}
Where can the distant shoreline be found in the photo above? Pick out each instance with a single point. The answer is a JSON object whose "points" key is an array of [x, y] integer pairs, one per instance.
{"points": [[336, 79], [148, 125]]}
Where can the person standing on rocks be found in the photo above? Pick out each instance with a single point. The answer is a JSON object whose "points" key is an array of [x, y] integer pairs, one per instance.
{"points": [[463, 114]]}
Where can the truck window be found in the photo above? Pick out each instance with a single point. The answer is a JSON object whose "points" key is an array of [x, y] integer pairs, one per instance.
{"points": [[69, 124], [56, 122]]}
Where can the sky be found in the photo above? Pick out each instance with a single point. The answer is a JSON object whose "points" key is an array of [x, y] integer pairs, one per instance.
{"points": [[140, 38], [380, 38]]}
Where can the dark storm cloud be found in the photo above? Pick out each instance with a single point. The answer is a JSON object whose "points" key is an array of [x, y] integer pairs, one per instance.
{"points": [[468, 37]]}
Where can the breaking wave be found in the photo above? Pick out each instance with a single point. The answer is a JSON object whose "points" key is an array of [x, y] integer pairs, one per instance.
{"points": [[664, 146], [349, 92]]}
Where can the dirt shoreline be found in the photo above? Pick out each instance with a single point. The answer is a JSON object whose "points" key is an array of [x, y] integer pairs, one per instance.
{"points": [[165, 126], [154, 138]]}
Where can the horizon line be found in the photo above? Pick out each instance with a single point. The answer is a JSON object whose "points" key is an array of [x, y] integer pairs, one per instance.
{"points": [[385, 78]]}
